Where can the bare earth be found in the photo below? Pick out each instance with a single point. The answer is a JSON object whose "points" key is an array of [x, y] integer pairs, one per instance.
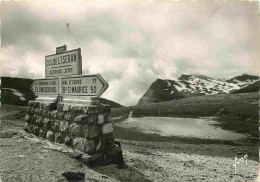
{"points": [[23, 157]]}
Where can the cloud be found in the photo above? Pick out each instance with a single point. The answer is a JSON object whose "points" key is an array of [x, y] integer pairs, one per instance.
{"points": [[131, 44]]}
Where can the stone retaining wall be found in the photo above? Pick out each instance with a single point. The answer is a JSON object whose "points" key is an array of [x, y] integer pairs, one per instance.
{"points": [[86, 128]]}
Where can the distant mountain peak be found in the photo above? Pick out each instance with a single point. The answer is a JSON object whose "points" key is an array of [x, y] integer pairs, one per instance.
{"points": [[190, 86]]}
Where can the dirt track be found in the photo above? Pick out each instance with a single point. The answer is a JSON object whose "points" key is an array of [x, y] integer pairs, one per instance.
{"points": [[22, 159]]}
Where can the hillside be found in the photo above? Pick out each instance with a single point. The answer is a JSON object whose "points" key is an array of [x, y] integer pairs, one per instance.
{"points": [[190, 86], [17, 91], [250, 88]]}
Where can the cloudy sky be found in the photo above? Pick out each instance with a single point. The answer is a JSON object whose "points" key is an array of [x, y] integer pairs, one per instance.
{"points": [[132, 43]]}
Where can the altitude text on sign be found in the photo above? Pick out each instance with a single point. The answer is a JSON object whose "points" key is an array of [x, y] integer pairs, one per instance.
{"points": [[66, 63], [45, 86], [86, 85]]}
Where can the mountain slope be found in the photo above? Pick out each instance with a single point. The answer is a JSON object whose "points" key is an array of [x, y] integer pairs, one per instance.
{"points": [[190, 86], [17, 91], [250, 88]]}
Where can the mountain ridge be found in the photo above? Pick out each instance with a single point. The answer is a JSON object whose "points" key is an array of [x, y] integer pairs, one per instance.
{"points": [[189, 86]]}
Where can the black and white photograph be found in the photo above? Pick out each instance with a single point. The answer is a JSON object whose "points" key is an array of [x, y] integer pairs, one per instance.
{"points": [[129, 90]]}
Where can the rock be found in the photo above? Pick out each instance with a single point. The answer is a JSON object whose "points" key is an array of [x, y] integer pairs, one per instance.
{"points": [[92, 119], [79, 143], [47, 106], [39, 121], [46, 123], [35, 130], [69, 117], [107, 128], [56, 125], [66, 107], [59, 137], [239, 153], [60, 115], [76, 130], [50, 136], [64, 126], [60, 107], [26, 127], [27, 118], [45, 113], [68, 141], [91, 158], [75, 176], [80, 119], [54, 114], [92, 131], [91, 110], [89, 146], [32, 111], [101, 119], [42, 133]]}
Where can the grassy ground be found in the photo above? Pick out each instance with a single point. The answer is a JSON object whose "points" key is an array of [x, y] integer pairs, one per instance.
{"points": [[209, 105]]}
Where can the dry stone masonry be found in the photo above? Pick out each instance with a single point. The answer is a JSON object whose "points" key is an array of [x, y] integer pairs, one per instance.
{"points": [[86, 128]]}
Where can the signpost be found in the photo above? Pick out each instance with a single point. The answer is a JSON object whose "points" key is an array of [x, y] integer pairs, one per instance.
{"points": [[65, 68], [61, 49], [85, 85], [46, 86], [64, 63]]}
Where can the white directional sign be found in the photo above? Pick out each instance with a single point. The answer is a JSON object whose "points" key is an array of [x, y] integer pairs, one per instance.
{"points": [[85, 85], [63, 64], [46, 86]]}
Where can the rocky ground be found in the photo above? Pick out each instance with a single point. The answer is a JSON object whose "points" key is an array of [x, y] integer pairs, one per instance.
{"points": [[24, 157]]}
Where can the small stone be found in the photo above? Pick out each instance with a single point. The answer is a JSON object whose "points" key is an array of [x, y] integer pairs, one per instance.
{"points": [[60, 107], [91, 158], [46, 123], [101, 119], [80, 118], [39, 121], [45, 113], [33, 120], [42, 133], [69, 117], [76, 130], [93, 131], [47, 106], [58, 137], [26, 127], [107, 128], [27, 118], [79, 143], [54, 114], [36, 130], [56, 125], [60, 115], [66, 107], [50, 136], [64, 126], [90, 146], [92, 119], [32, 111], [68, 141]]}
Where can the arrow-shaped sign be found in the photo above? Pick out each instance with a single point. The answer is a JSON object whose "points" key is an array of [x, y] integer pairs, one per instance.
{"points": [[45, 86], [84, 85]]}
